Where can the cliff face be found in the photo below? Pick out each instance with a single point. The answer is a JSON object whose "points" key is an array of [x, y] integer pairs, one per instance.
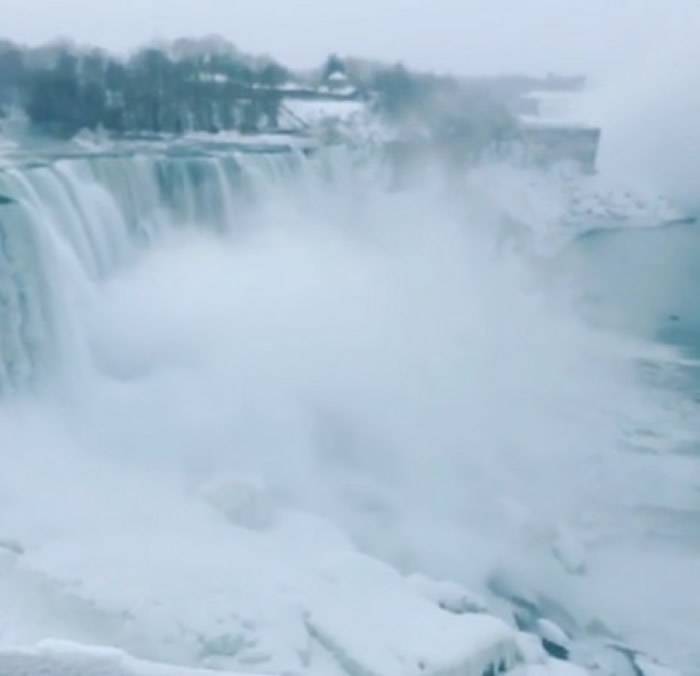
{"points": [[546, 145]]}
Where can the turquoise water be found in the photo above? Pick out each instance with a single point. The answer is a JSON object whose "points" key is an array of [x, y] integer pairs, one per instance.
{"points": [[643, 281], [646, 284]]}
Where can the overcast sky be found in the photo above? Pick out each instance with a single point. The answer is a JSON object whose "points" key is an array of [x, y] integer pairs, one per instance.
{"points": [[468, 36]]}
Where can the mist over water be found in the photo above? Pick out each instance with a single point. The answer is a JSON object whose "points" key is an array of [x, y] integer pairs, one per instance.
{"points": [[647, 102], [404, 363]]}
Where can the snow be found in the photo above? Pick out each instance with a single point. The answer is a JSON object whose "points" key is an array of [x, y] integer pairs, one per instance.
{"points": [[570, 551], [449, 596], [225, 579], [650, 667], [552, 632], [336, 120], [531, 648], [219, 575], [557, 109], [217, 78], [255, 142], [553, 207], [314, 111], [400, 633], [615, 659], [63, 658], [540, 122], [613, 203], [549, 668], [348, 90]]}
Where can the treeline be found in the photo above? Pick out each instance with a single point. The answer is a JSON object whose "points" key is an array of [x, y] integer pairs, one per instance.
{"points": [[208, 85], [187, 85], [458, 115]]}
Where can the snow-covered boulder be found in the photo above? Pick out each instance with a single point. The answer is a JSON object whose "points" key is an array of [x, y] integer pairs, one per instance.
{"points": [[554, 639]]}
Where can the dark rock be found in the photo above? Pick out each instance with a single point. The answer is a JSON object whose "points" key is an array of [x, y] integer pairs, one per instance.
{"points": [[555, 650], [490, 671]]}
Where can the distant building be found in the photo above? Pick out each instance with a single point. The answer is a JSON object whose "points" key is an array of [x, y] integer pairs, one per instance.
{"points": [[337, 84]]}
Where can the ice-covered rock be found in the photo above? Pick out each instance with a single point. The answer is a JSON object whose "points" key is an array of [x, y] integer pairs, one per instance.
{"points": [[552, 632], [650, 667], [554, 639], [370, 619]]}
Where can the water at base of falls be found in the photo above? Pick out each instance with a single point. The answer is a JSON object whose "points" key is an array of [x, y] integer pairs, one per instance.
{"points": [[200, 352]]}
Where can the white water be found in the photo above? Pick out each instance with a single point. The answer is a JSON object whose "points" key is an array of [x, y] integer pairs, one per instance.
{"points": [[384, 359]]}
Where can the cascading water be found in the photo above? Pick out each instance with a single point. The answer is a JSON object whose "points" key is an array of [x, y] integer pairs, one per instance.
{"points": [[69, 224], [384, 358]]}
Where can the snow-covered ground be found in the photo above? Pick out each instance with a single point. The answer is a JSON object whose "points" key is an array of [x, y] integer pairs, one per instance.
{"points": [[552, 208], [62, 658], [221, 577], [342, 120], [315, 111], [222, 580]]}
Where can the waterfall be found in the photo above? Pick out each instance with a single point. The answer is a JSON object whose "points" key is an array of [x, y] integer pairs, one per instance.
{"points": [[67, 224], [278, 331]]}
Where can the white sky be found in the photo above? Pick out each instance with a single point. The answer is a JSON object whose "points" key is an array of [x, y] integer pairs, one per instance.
{"points": [[467, 36]]}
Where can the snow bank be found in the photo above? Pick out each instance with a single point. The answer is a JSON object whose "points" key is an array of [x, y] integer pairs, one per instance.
{"points": [[370, 620], [549, 668], [313, 111], [228, 591], [447, 595], [61, 658], [551, 208]]}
